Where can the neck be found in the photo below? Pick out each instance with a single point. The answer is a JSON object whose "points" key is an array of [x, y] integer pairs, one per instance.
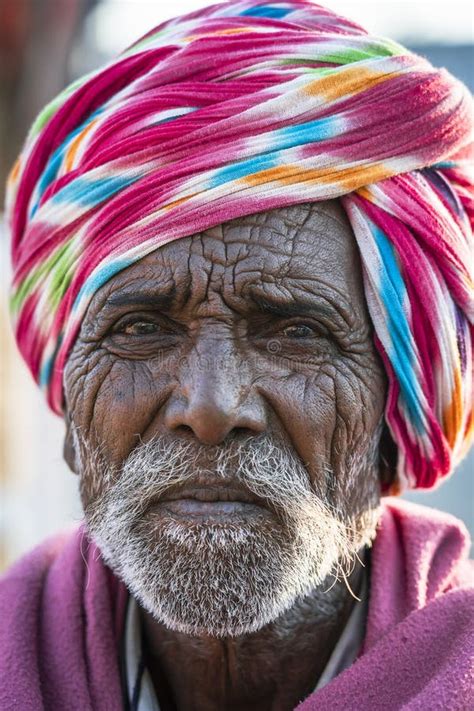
{"points": [[271, 669]]}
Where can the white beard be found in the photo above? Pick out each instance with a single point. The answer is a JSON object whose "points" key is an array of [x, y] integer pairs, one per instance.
{"points": [[221, 579]]}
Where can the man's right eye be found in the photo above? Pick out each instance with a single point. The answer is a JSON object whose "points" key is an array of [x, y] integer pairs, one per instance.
{"points": [[139, 328]]}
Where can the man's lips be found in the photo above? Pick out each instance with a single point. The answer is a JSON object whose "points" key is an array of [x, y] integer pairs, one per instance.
{"points": [[210, 501]]}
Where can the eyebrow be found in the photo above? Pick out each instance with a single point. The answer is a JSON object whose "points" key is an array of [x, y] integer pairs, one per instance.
{"points": [[295, 307], [157, 301]]}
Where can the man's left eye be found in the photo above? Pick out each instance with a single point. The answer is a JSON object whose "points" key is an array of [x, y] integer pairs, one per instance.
{"points": [[140, 328], [300, 330]]}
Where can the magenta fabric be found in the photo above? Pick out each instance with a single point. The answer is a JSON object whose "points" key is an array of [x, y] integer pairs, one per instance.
{"points": [[62, 610], [419, 643]]}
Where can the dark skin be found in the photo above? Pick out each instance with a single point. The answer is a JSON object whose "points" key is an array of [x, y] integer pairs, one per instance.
{"points": [[256, 326]]}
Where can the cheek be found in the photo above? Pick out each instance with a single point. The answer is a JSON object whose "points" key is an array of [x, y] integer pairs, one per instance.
{"points": [[116, 401], [355, 443], [330, 417], [305, 406]]}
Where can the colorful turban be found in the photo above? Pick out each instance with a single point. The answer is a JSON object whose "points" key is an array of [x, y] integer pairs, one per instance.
{"points": [[243, 107]]}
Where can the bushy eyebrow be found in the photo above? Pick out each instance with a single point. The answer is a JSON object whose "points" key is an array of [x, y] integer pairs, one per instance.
{"points": [[161, 302], [284, 308]]}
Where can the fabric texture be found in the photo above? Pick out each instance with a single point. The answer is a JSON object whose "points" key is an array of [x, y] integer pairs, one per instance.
{"points": [[62, 614], [242, 107]]}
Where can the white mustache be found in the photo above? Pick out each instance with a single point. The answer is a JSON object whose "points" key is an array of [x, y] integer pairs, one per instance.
{"points": [[272, 472]]}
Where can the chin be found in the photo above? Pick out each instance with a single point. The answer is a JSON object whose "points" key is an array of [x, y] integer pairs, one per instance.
{"points": [[218, 580]]}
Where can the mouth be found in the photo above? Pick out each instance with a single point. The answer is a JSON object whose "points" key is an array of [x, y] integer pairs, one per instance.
{"points": [[210, 502]]}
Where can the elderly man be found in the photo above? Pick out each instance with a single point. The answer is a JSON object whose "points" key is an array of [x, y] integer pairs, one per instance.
{"points": [[243, 275]]}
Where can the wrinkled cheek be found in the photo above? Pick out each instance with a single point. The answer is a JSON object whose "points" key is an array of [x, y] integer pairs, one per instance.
{"points": [[116, 414], [355, 449], [304, 405], [331, 420]]}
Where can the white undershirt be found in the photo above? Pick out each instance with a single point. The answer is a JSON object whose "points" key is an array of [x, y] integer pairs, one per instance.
{"points": [[343, 655]]}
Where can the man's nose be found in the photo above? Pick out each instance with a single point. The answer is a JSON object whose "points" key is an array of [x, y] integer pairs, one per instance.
{"points": [[215, 398]]}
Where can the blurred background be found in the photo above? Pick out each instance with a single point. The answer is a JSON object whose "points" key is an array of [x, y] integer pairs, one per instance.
{"points": [[45, 44]]}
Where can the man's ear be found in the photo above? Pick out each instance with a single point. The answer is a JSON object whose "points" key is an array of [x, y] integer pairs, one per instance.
{"points": [[388, 459], [69, 447]]}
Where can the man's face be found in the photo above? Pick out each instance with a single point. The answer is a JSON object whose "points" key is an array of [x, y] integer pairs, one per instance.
{"points": [[224, 403]]}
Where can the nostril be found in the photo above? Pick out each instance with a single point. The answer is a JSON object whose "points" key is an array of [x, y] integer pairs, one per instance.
{"points": [[239, 432], [184, 430]]}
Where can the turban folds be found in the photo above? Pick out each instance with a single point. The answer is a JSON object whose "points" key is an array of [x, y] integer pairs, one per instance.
{"points": [[242, 107]]}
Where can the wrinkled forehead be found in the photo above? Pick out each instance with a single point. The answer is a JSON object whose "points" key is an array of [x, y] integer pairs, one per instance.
{"points": [[306, 250]]}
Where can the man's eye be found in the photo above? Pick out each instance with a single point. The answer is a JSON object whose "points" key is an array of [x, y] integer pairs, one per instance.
{"points": [[140, 328], [300, 330]]}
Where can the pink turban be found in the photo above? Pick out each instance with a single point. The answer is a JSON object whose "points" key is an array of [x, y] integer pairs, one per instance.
{"points": [[243, 107]]}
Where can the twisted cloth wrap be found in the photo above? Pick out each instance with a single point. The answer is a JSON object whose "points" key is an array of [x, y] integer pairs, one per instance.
{"points": [[243, 107]]}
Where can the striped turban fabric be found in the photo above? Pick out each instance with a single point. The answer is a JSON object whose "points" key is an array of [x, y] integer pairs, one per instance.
{"points": [[242, 107]]}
